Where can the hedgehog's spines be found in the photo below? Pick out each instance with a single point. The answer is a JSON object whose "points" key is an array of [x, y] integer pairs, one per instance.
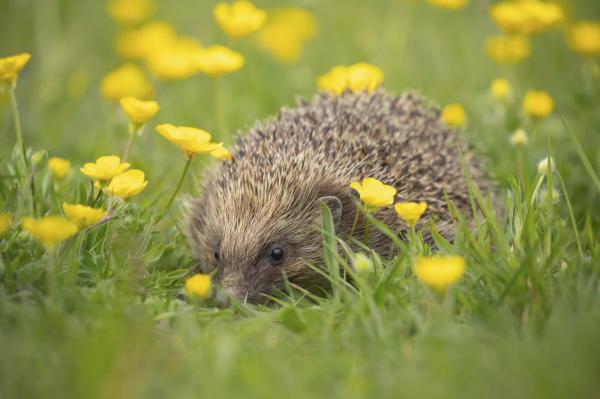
{"points": [[281, 167]]}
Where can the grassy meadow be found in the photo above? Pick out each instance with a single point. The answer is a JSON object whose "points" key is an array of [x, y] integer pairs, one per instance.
{"points": [[104, 314]]}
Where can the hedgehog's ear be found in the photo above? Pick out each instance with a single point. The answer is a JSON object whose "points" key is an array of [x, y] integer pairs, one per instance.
{"points": [[335, 206]]}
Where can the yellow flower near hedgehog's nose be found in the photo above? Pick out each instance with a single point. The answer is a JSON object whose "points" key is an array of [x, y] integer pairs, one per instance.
{"points": [[82, 215], [130, 11], [104, 168], [239, 18], [538, 104], [190, 139], [127, 80], [215, 61], [356, 78], [12, 65], [49, 230], [584, 38], [439, 272], [4, 222], [454, 115], [139, 111], [373, 193], [410, 212], [127, 184], [199, 285], [59, 167]]}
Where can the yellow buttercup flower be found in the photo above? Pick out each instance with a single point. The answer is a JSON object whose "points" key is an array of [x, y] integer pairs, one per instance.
{"points": [[538, 104], [130, 11], [286, 32], [176, 61], [501, 89], [105, 168], [526, 16], [199, 285], [239, 18], [59, 167], [335, 81], [11, 66], [49, 230], [190, 139], [127, 80], [221, 153], [373, 193], [507, 49], [127, 184], [439, 272], [519, 138], [454, 115], [449, 4], [215, 61], [4, 222], [410, 212], [151, 38], [356, 78], [139, 111], [584, 38], [82, 215]]}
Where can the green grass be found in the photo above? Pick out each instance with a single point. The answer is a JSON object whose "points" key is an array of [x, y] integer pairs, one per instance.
{"points": [[104, 316]]}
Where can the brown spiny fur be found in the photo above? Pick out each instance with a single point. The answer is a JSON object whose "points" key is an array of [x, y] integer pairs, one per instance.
{"points": [[268, 195]]}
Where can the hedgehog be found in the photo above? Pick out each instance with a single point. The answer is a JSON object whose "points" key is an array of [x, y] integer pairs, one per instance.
{"points": [[253, 225]]}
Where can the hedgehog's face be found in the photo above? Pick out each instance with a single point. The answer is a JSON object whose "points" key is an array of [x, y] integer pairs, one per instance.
{"points": [[253, 248]]}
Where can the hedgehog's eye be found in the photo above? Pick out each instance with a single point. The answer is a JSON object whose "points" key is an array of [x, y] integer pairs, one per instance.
{"points": [[276, 253], [216, 255]]}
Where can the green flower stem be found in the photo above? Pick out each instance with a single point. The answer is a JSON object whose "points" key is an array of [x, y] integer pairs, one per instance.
{"points": [[18, 131], [185, 169], [134, 131], [521, 169]]}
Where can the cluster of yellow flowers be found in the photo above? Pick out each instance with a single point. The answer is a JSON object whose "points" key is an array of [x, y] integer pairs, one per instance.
{"points": [[169, 56], [51, 230], [357, 77], [375, 194], [519, 19], [525, 17], [437, 272], [109, 173]]}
